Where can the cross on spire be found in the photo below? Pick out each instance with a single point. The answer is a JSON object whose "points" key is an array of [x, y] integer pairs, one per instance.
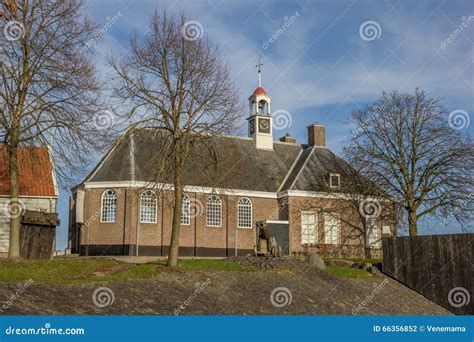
{"points": [[258, 66]]}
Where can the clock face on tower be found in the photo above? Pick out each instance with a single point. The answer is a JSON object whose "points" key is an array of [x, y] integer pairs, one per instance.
{"points": [[263, 125], [252, 127]]}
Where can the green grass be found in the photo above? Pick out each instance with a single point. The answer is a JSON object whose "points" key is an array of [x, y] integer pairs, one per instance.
{"points": [[53, 271], [213, 264], [365, 260], [348, 272], [81, 270]]}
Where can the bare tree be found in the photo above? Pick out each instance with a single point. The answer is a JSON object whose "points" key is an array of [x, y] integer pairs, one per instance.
{"points": [[48, 93], [403, 143], [174, 79]]}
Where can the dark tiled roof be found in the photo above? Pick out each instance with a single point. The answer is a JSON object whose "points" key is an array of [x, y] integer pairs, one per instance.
{"points": [[35, 172], [231, 163]]}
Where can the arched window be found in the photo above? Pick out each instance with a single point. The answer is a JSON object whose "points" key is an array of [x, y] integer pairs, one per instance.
{"points": [[214, 211], [109, 206], [244, 213], [186, 210], [148, 207], [263, 107]]}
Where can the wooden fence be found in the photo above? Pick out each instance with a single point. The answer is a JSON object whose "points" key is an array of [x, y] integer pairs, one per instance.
{"points": [[37, 234], [440, 267]]}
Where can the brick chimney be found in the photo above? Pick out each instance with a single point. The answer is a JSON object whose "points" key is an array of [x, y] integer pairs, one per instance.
{"points": [[317, 135], [288, 138]]}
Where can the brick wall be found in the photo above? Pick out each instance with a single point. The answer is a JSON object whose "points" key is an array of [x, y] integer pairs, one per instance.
{"points": [[352, 227], [154, 238], [197, 239]]}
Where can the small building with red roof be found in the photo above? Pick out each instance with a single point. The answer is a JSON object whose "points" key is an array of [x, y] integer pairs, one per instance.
{"points": [[38, 187]]}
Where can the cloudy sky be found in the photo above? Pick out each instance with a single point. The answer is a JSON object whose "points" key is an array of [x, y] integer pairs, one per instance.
{"points": [[322, 59]]}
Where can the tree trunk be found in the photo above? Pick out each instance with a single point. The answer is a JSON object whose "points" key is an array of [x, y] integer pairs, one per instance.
{"points": [[14, 209], [412, 223], [178, 195]]}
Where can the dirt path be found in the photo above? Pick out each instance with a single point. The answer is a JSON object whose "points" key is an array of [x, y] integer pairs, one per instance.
{"points": [[312, 292]]}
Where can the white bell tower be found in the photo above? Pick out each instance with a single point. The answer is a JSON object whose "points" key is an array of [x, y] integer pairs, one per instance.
{"points": [[260, 119]]}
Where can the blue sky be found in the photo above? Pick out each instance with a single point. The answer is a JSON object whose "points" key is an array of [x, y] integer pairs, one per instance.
{"points": [[321, 65]]}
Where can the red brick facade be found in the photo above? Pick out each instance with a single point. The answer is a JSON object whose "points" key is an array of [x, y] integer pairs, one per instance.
{"points": [[196, 239]]}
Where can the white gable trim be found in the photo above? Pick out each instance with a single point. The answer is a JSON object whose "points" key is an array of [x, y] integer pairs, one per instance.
{"points": [[188, 188], [327, 195], [302, 168], [291, 170]]}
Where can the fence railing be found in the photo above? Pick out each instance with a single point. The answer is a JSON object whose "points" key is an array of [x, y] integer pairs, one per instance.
{"points": [[440, 267]]}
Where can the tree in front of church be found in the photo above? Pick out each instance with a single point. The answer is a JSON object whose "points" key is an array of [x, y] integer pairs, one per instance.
{"points": [[48, 91], [408, 145], [174, 79]]}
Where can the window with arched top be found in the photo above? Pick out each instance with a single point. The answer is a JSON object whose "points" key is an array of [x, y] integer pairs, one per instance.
{"points": [[108, 206], [186, 210], [148, 204], [214, 211], [263, 107], [244, 213]]}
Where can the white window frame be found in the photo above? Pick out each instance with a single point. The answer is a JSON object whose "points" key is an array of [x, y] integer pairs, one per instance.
{"points": [[327, 218], [214, 211], [308, 238], [338, 180], [244, 213], [186, 210], [373, 240], [148, 207], [110, 196]]}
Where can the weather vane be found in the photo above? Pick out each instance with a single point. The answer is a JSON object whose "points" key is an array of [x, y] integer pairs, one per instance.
{"points": [[259, 64]]}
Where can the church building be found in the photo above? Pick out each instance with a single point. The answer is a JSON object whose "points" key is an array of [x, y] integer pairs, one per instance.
{"points": [[301, 188]]}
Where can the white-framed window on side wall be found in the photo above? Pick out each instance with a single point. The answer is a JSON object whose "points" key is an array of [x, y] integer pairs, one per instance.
{"points": [[244, 213], [373, 235], [108, 206], [309, 228], [214, 211], [332, 228], [186, 210], [148, 207]]}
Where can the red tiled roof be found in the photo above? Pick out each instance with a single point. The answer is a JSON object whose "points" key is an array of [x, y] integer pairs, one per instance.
{"points": [[36, 177], [259, 91]]}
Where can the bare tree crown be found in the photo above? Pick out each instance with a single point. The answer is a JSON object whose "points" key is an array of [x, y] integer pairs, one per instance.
{"points": [[404, 144], [49, 92]]}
